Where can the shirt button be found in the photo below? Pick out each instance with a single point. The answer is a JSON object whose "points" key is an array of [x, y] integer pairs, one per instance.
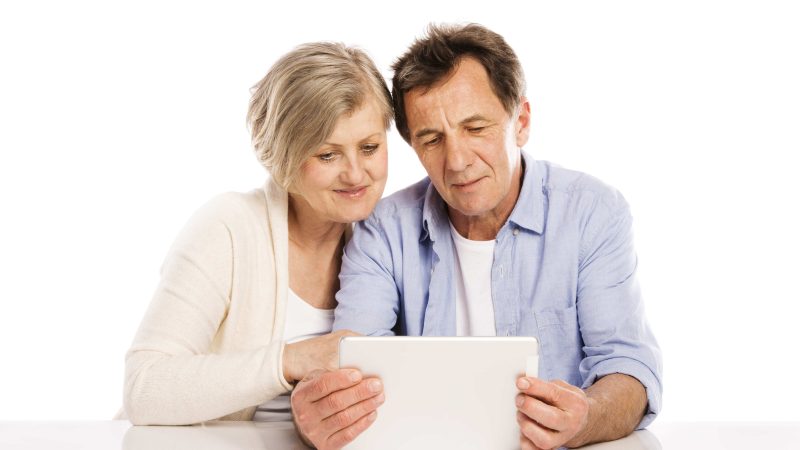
{"points": [[516, 231]]}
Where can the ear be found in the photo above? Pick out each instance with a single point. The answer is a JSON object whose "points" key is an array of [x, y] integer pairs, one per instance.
{"points": [[522, 125]]}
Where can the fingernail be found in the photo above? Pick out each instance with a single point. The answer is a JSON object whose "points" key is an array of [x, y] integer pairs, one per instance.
{"points": [[354, 375], [520, 400], [523, 383], [375, 386], [380, 398]]}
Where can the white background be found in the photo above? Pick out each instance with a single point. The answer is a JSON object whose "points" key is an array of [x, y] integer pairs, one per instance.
{"points": [[117, 120]]}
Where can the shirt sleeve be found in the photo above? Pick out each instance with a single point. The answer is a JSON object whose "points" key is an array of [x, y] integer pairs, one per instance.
{"points": [[368, 297], [172, 376], [617, 338]]}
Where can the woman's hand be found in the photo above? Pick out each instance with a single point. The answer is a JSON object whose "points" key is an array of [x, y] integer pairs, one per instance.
{"points": [[301, 358]]}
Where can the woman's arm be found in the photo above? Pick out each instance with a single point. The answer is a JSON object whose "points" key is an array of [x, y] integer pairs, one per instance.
{"points": [[172, 375]]}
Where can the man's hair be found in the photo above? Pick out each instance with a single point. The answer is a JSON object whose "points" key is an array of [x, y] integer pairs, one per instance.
{"points": [[432, 58], [294, 108]]}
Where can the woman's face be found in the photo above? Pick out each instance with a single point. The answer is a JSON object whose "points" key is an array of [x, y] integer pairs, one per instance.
{"points": [[344, 179]]}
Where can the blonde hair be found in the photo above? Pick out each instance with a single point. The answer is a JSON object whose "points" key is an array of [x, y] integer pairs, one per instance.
{"points": [[294, 108]]}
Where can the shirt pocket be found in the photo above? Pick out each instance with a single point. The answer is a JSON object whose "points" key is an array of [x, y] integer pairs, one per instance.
{"points": [[560, 344]]}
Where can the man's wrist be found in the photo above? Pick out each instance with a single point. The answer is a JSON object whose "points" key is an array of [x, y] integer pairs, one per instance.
{"points": [[586, 435]]}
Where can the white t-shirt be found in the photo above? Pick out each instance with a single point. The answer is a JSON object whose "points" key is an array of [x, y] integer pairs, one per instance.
{"points": [[473, 272], [303, 321]]}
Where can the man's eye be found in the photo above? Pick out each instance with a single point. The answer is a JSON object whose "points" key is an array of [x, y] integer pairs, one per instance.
{"points": [[433, 141], [476, 129]]}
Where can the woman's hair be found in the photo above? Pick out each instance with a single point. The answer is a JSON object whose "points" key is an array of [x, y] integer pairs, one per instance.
{"points": [[433, 57], [294, 108]]}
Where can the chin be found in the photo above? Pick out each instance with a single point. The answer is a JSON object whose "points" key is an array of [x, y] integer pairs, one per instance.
{"points": [[354, 214]]}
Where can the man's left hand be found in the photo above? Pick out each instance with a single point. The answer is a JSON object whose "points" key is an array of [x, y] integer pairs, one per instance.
{"points": [[549, 414]]}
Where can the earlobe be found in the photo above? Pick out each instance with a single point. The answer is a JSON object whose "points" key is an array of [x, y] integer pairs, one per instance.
{"points": [[523, 122]]}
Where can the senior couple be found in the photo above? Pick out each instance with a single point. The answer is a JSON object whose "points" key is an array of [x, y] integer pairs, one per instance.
{"points": [[259, 287]]}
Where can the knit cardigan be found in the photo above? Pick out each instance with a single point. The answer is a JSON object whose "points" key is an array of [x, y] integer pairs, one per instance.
{"points": [[210, 345]]}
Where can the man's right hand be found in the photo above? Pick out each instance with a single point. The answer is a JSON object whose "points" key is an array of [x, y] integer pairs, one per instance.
{"points": [[331, 408]]}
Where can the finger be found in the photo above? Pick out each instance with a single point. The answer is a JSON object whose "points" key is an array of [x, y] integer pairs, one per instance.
{"points": [[319, 384], [548, 392], [344, 333], [567, 386], [345, 436], [345, 398], [539, 436], [542, 413], [349, 416], [526, 444]]}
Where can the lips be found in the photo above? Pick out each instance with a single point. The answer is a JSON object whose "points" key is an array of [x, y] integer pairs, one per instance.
{"points": [[353, 192], [467, 184]]}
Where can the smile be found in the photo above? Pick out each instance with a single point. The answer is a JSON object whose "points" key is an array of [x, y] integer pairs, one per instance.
{"points": [[352, 193]]}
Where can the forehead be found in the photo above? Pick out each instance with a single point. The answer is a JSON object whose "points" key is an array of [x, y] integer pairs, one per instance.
{"points": [[365, 120], [465, 92]]}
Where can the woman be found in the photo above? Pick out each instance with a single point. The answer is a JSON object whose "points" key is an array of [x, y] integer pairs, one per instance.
{"points": [[252, 275]]}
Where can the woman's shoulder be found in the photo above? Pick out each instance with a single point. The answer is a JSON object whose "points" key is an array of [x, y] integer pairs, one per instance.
{"points": [[233, 214]]}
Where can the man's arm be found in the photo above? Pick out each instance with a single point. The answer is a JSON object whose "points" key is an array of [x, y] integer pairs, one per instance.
{"points": [[621, 369], [368, 298], [555, 414]]}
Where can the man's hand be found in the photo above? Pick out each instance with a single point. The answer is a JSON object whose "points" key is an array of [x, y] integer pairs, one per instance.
{"points": [[331, 408], [550, 414]]}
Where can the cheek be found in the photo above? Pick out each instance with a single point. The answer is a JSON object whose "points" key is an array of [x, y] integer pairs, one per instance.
{"points": [[313, 180], [378, 167]]}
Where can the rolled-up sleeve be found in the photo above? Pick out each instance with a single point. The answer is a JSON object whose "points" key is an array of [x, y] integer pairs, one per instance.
{"points": [[616, 336], [368, 298]]}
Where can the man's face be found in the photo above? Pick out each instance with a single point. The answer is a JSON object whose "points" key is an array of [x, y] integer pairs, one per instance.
{"points": [[467, 142]]}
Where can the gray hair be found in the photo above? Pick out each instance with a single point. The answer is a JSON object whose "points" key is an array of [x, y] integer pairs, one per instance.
{"points": [[294, 108]]}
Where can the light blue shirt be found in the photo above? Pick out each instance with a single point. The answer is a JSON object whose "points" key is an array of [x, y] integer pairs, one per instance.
{"points": [[564, 271]]}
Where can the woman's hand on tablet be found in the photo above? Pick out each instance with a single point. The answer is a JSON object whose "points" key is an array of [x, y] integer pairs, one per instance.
{"points": [[331, 408], [319, 353]]}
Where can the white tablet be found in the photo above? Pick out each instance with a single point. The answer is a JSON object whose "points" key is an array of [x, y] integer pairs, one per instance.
{"points": [[443, 392]]}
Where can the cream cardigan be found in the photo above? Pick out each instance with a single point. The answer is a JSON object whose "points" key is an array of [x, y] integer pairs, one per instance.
{"points": [[210, 345]]}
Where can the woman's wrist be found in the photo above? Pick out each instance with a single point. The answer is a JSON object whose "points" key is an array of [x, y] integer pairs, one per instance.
{"points": [[287, 363]]}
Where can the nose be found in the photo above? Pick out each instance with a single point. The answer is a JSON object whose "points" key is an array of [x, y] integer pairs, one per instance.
{"points": [[354, 172], [457, 155]]}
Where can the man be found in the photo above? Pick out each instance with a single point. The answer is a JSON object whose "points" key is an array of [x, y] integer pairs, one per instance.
{"points": [[494, 243]]}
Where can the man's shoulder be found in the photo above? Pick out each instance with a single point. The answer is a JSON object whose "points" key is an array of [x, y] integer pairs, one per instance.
{"points": [[578, 186], [405, 203]]}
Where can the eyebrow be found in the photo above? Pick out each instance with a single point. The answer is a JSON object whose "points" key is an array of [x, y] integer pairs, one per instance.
{"points": [[474, 118], [470, 119], [371, 136]]}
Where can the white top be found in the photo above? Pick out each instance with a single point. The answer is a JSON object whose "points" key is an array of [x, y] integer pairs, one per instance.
{"points": [[303, 321], [473, 280]]}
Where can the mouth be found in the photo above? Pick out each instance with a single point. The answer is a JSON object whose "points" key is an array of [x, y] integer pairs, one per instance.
{"points": [[467, 184], [353, 192]]}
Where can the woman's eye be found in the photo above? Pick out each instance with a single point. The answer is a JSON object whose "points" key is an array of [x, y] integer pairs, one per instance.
{"points": [[369, 148], [326, 157]]}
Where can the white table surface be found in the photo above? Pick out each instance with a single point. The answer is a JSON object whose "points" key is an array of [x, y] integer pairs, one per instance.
{"points": [[111, 435]]}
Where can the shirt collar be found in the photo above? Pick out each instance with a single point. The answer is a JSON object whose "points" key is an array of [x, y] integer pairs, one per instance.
{"points": [[528, 212]]}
